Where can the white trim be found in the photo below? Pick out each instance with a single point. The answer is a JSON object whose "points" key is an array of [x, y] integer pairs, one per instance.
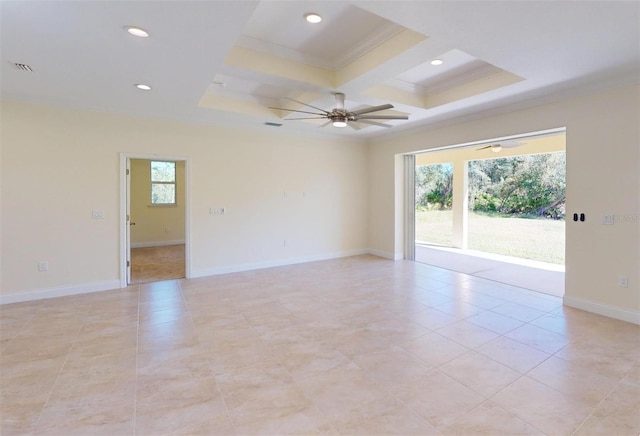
{"points": [[155, 243], [383, 254], [123, 209], [602, 309], [274, 263], [62, 291], [87, 288], [355, 51]]}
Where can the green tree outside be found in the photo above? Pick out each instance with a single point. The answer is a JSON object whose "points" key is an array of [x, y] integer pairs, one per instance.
{"points": [[516, 189]]}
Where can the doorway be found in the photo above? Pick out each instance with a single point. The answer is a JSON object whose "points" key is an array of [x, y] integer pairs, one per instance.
{"points": [[457, 229], [154, 218]]}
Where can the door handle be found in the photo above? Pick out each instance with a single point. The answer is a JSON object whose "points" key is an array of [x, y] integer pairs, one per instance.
{"points": [[132, 224]]}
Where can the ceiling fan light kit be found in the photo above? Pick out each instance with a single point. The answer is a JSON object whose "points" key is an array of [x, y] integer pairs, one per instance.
{"points": [[341, 117]]}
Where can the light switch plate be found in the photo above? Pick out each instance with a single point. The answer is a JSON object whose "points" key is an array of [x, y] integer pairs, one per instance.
{"points": [[608, 219], [623, 281]]}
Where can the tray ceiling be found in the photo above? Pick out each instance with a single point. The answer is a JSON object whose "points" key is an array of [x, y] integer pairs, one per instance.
{"points": [[227, 62]]}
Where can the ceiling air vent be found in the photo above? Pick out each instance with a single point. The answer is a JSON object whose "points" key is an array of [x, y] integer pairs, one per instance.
{"points": [[22, 67], [272, 124]]}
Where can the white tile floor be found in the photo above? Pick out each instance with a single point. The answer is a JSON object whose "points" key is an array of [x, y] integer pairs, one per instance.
{"points": [[359, 345]]}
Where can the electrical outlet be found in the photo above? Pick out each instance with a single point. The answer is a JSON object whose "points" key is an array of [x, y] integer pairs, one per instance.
{"points": [[623, 281], [43, 266], [216, 211]]}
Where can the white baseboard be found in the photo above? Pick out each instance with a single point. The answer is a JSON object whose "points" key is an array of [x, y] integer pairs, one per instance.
{"points": [[602, 309], [62, 291], [382, 254], [273, 263], [155, 244]]}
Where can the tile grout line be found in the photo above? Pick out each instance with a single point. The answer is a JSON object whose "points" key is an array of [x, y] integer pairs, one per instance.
{"points": [[66, 359], [611, 391], [212, 375], [135, 395]]}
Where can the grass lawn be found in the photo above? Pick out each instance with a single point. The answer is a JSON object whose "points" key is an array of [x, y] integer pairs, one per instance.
{"points": [[536, 239]]}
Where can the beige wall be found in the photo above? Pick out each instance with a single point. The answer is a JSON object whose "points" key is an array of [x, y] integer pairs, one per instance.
{"points": [[603, 144], [323, 197], [155, 225], [59, 164]]}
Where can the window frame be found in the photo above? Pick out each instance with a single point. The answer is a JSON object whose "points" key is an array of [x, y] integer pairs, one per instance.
{"points": [[162, 182]]}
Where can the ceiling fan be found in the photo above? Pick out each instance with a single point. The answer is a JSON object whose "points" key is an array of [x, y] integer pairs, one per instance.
{"points": [[341, 117], [498, 146]]}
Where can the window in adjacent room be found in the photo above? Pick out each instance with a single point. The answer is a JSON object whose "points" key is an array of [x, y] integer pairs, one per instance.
{"points": [[163, 183]]}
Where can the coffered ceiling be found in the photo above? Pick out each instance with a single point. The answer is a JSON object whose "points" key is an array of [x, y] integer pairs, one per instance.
{"points": [[231, 62]]}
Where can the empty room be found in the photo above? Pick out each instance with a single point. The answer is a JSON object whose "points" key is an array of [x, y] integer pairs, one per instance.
{"points": [[265, 153]]}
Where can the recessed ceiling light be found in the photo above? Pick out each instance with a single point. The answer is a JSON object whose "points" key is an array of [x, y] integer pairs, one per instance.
{"points": [[437, 62], [312, 17], [143, 87], [136, 31]]}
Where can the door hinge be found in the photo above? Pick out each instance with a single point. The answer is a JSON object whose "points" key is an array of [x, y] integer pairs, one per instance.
{"points": [[128, 263], [127, 171], [127, 218]]}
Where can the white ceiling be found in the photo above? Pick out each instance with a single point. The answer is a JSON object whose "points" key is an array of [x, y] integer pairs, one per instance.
{"points": [[498, 56]]}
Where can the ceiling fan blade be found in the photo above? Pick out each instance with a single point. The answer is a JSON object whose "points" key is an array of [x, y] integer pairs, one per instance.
{"points": [[484, 148], [373, 123], [382, 117], [306, 118], [372, 109], [325, 124], [294, 110], [353, 125], [305, 104]]}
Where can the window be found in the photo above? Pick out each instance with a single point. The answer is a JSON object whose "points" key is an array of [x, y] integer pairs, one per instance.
{"points": [[163, 183]]}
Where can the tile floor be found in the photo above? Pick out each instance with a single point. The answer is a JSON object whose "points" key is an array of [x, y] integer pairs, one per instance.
{"points": [[359, 345], [152, 264]]}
